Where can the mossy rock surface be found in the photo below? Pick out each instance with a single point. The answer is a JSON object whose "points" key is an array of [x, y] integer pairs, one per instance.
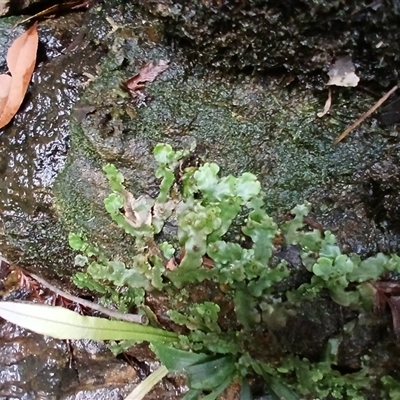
{"points": [[211, 99], [242, 123]]}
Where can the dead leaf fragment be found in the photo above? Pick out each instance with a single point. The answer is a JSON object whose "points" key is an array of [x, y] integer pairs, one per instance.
{"points": [[171, 264], [387, 293], [4, 7], [342, 73], [138, 212], [394, 304], [5, 85], [21, 59], [327, 106], [148, 73]]}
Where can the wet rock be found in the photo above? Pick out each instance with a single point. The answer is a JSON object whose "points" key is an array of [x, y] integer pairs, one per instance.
{"points": [[34, 366], [299, 36], [34, 146], [306, 333]]}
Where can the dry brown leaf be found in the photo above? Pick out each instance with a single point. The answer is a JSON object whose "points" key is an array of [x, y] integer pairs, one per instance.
{"points": [[148, 73], [394, 304], [21, 59], [387, 292], [5, 85]]}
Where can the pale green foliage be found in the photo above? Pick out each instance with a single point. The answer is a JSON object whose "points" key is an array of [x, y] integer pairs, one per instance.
{"points": [[225, 236], [199, 316]]}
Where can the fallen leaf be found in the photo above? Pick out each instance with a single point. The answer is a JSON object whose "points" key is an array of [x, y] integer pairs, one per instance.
{"points": [[208, 262], [394, 304], [5, 85], [4, 7], [138, 212], [387, 292], [341, 73], [21, 59], [171, 264], [327, 105], [148, 73]]}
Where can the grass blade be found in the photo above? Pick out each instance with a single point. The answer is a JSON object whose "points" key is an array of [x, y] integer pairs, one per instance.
{"points": [[61, 323]]}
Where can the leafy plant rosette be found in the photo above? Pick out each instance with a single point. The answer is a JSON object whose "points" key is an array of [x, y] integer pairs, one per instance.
{"points": [[225, 246]]}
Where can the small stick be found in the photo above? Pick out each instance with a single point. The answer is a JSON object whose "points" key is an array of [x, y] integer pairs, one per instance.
{"points": [[365, 115], [136, 318]]}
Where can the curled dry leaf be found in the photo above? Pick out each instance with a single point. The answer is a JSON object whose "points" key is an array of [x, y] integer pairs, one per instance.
{"points": [[138, 212], [21, 59], [327, 106], [148, 73], [394, 304], [388, 293]]}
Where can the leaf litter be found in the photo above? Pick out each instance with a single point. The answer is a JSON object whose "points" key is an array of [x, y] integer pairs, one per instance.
{"points": [[21, 60], [148, 73], [342, 73]]}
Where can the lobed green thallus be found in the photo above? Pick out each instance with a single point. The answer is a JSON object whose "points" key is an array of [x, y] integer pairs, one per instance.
{"points": [[225, 238]]}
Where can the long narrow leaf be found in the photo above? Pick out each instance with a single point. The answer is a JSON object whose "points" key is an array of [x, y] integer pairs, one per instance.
{"points": [[217, 391], [61, 323], [245, 391], [144, 387], [210, 374], [279, 390]]}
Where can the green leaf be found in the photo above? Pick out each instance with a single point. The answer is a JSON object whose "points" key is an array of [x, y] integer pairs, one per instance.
{"points": [[115, 178], [247, 186], [245, 392], [192, 394], [166, 184], [217, 391], [75, 241], [211, 373], [203, 372], [245, 308], [280, 390], [177, 360], [371, 268], [167, 249], [113, 203], [323, 268], [163, 153], [207, 179], [61, 323]]}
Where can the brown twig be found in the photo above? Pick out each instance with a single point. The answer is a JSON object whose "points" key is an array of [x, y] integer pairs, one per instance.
{"points": [[365, 115], [136, 318]]}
